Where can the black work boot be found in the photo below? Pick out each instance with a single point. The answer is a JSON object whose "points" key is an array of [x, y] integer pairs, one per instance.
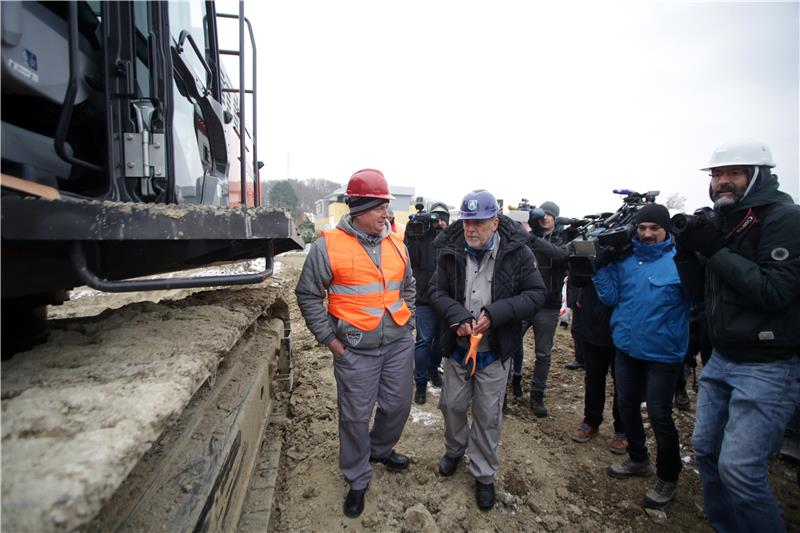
{"points": [[574, 365], [537, 404], [516, 385], [395, 462], [419, 396], [436, 378], [484, 495], [354, 503], [448, 465]]}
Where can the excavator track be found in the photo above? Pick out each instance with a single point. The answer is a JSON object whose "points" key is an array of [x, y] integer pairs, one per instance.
{"points": [[147, 417]]}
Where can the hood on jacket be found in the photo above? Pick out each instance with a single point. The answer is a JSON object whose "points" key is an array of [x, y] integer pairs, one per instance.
{"points": [[651, 252], [511, 235], [763, 192]]}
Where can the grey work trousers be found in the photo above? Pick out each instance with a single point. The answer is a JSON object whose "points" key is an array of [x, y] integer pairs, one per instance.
{"points": [[544, 324], [486, 391], [361, 380]]}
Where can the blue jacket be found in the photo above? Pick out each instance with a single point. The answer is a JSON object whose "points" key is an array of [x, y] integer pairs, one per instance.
{"points": [[650, 320]]}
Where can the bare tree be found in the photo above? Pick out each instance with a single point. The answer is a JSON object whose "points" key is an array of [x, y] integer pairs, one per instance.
{"points": [[676, 201]]}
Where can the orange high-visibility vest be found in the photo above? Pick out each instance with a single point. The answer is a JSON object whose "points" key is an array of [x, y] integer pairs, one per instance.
{"points": [[359, 293]]}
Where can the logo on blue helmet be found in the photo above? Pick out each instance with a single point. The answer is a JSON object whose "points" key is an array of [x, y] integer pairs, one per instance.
{"points": [[478, 205]]}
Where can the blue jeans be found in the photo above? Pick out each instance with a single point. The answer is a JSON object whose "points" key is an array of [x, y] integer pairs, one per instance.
{"points": [[427, 353], [742, 410], [657, 382]]}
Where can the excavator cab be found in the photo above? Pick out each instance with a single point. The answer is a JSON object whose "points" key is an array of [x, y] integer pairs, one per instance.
{"points": [[126, 152]]}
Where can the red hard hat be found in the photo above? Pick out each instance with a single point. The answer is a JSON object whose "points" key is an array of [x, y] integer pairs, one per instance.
{"points": [[369, 183]]}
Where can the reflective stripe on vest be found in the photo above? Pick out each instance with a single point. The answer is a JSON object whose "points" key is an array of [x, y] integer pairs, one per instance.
{"points": [[359, 292]]}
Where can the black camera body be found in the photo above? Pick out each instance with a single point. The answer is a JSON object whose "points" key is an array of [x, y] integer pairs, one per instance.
{"points": [[703, 217], [614, 230], [420, 223]]}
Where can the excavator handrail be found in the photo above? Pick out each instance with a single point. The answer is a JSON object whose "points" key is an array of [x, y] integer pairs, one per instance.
{"points": [[242, 91]]}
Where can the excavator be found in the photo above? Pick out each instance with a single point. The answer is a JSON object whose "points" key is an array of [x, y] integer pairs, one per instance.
{"points": [[125, 154], [129, 155]]}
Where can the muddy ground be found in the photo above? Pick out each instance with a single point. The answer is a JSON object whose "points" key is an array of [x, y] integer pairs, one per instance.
{"points": [[546, 482]]}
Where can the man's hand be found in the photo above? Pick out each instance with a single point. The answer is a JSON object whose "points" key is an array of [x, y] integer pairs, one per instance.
{"points": [[607, 255], [465, 329], [336, 347], [705, 239], [483, 324]]}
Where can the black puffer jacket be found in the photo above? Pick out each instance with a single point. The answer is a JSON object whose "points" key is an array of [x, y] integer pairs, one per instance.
{"points": [[752, 285], [517, 288], [551, 258], [591, 318], [423, 261]]}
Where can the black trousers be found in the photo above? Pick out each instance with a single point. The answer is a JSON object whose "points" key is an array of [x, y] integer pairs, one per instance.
{"points": [[597, 361], [657, 381]]}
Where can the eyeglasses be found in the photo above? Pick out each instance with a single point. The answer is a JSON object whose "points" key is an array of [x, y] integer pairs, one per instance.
{"points": [[732, 172]]}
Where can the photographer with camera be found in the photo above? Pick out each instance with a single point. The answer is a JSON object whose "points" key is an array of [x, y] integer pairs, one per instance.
{"points": [[551, 259], [420, 233], [744, 256], [650, 328]]}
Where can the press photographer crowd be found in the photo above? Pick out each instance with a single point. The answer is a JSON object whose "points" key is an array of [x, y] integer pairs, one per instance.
{"points": [[449, 301]]}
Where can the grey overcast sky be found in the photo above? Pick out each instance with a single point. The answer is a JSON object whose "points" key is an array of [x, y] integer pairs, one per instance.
{"points": [[560, 101]]}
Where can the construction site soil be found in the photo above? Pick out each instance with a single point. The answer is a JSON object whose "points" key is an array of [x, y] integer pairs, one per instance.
{"points": [[546, 482]]}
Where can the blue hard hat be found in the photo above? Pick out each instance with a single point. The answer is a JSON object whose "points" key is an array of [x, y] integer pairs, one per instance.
{"points": [[478, 205]]}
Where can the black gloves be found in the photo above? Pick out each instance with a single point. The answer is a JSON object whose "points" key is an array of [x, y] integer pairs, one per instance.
{"points": [[609, 254], [705, 239]]}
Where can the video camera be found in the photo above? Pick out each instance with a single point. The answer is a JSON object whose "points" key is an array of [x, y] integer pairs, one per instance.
{"points": [[607, 229], [701, 218], [531, 213], [420, 222]]}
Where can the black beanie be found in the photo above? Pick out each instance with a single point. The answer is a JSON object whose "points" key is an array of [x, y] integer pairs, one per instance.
{"points": [[655, 213], [359, 204]]}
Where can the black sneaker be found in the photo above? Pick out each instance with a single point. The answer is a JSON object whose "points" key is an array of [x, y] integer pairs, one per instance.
{"points": [[448, 465], [395, 462], [484, 495], [516, 385], [354, 503], [420, 395]]}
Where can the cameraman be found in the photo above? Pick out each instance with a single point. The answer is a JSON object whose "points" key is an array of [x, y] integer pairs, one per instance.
{"points": [[427, 353], [551, 258], [747, 254], [650, 328]]}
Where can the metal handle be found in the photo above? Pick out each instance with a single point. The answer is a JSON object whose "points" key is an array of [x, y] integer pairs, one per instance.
{"points": [[92, 280]]}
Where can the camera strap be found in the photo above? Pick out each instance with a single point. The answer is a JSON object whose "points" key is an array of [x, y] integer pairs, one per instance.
{"points": [[751, 222]]}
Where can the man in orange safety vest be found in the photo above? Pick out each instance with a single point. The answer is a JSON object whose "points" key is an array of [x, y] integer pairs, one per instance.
{"points": [[362, 268]]}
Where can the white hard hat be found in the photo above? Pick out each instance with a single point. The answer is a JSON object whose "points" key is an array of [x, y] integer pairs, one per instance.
{"points": [[741, 152]]}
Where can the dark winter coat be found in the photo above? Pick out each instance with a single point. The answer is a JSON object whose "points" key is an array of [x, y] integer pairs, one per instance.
{"points": [[591, 318], [423, 261], [551, 258], [752, 285], [517, 288]]}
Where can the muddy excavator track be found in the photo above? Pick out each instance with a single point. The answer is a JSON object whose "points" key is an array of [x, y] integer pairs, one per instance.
{"points": [[148, 417]]}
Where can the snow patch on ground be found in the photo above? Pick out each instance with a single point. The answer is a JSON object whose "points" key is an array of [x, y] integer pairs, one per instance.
{"points": [[426, 418]]}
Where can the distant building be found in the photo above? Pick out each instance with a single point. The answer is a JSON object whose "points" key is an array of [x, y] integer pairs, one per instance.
{"points": [[330, 209]]}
